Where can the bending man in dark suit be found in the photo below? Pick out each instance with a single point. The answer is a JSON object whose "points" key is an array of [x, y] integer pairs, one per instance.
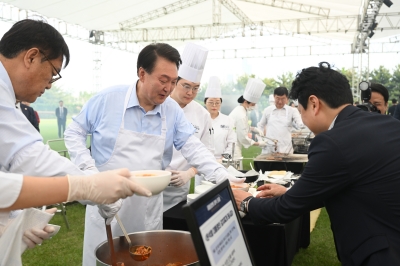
{"points": [[61, 114], [353, 170]]}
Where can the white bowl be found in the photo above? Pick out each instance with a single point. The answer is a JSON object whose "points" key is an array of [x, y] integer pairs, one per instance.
{"points": [[154, 180], [241, 186], [191, 197], [201, 189]]}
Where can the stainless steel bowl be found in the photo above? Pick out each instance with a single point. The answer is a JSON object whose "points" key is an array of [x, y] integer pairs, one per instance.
{"points": [[168, 246]]}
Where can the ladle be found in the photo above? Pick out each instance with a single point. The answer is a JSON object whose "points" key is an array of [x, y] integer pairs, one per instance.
{"points": [[132, 249], [111, 244]]}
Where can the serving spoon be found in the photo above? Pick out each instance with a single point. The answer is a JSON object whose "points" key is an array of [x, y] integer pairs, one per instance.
{"points": [[132, 249]]}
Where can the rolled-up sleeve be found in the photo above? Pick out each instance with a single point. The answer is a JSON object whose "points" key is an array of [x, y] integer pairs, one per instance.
{"points": [[75, 141], [83, 124], [198, 156], [10, 187], [297, 122]]}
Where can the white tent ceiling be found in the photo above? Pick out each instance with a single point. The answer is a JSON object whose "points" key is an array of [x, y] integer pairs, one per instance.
{"points": [[176, 21]]}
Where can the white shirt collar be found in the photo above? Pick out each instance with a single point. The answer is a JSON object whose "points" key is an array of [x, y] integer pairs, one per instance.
{"points": [[333, 123]]}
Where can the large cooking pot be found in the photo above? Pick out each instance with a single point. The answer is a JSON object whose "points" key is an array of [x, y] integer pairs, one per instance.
{"points": [[168, 246]]}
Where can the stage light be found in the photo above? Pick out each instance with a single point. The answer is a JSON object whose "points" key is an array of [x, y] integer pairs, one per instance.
{"points": [[371, 34], [388, 3]]}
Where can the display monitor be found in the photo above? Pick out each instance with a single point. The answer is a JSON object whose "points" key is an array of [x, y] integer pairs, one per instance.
{"points": [[217, 232]]}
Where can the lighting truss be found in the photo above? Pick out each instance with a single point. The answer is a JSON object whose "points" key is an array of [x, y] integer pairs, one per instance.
{"points": [[159, 12], [234, 9], [311, 50], [299, 7], [366, 26]]}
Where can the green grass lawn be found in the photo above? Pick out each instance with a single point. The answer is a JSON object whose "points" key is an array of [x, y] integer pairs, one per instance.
{"points": [[66, 247]]}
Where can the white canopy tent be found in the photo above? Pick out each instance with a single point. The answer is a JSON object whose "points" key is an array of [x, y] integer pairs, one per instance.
{"points": [[229, 28]]}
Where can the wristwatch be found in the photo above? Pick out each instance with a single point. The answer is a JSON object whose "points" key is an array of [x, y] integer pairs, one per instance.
{"points": [[243, 204]]}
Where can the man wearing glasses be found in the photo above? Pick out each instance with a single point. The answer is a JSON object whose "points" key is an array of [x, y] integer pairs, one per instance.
{"points": [[31, 54], [190, 72], [136, 126]]}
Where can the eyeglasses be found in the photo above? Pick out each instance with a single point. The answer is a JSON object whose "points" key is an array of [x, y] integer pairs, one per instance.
{"points": [[58, 76], [213, 104], [188, 88]]}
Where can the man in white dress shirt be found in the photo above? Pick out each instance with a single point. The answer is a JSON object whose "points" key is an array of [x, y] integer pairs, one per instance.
{"points": [[31, 57], [279, 120]]}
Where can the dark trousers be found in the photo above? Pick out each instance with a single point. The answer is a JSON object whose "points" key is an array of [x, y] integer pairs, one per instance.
{"points": [[61, 124]]}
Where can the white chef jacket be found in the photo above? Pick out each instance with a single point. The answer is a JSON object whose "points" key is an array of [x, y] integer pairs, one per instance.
{"points": [[241, 123], [224, 135], [22, 148], [101, 116], [286, 112], [200, 118]]}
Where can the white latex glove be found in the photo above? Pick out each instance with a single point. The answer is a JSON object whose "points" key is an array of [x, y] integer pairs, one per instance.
{"points": [[258, 131], [262, 143], [105, 187], [235, 179], [179, 178], [108, 211], [35, 236]]}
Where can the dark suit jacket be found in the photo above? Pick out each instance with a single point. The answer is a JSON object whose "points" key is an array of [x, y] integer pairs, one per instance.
{"points": [[391, 110], [354, 170], [30, 114], [65, 112], [397, 112]]}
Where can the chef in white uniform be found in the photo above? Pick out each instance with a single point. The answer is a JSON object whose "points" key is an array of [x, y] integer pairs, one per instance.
{"points": [[223, 125], [240, 116], [136, 126], [279, 120], [190, 72]]}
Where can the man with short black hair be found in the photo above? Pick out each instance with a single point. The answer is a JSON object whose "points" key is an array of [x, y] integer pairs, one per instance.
{"points": [[136, 126], [392, 108], [279, 119], [31, 55], [379, 97], [352, 170]]}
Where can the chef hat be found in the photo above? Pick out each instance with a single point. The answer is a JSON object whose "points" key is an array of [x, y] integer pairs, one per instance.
{"points": [[213, 88], [253, 91], [193, 60], [271, 99]]}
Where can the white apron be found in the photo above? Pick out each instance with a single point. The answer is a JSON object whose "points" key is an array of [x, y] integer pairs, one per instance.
{"points": [[278, 127], [136, 151]]}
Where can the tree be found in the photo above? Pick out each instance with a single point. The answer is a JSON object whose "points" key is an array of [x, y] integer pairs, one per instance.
{"points": [[395, 83], [285, 80], [382, 76]]}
